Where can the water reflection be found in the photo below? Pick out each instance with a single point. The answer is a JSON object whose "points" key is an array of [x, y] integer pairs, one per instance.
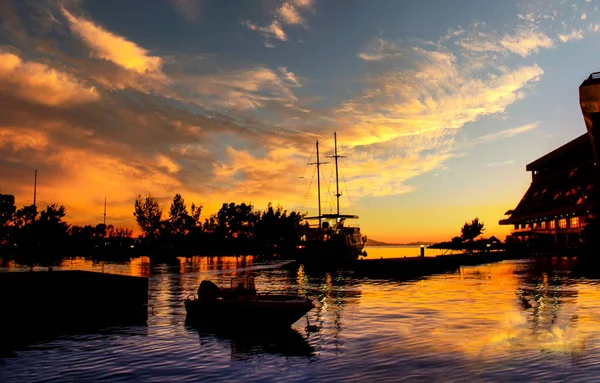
{"points": [[509, 321], [246, 342]]}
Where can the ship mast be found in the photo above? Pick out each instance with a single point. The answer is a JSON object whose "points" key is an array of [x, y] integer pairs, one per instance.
{"points": [[319, 184], [318, 163], [337, 184]]}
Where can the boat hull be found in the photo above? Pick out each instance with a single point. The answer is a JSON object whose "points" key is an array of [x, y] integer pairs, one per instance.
{"points": [[262, 311]]}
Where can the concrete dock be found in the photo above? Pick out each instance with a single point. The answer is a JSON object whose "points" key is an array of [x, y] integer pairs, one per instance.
{"points": [[40, 303], [414, 267]]}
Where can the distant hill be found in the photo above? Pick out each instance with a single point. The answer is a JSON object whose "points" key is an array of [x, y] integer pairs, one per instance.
{"points": [[372, 242]]}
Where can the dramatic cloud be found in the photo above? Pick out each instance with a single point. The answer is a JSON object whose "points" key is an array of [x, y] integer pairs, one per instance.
{"points": [[413, 103], [106, 45], [100, 116], [41, 84]]}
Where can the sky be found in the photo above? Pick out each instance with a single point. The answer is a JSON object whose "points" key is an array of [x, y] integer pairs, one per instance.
{"points": [[437, 105]]}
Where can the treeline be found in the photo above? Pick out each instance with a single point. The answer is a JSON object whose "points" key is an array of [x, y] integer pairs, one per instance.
{"points": [[234, 229], [46, 233]]}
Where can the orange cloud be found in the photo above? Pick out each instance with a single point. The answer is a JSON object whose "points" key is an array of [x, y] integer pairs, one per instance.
{"points": [[18, 139], [108, 46], [42, 84]]}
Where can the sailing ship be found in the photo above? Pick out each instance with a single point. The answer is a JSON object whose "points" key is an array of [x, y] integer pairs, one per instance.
{"points": [[330, 241]]}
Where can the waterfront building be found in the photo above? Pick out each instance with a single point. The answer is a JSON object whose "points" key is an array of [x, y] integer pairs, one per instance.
{"points": [[562, 197]]}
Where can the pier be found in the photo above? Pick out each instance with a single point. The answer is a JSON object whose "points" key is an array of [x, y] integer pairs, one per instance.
{"points": [[42, 303], [414, 267]]}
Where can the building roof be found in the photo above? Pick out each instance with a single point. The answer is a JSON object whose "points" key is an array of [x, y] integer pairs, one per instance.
{"points": [[555, 198], [558, 152]]}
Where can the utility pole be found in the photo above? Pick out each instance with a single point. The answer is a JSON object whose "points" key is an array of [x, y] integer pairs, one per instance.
{"points": [[104, 211], [35, 188]]}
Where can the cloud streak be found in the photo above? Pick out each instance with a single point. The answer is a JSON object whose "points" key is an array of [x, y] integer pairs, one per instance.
{"points": [[509, 132], [109, 46]]}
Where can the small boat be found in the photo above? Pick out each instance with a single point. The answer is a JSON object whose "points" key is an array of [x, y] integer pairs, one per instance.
{"points": [[240, 305], [330, 242]]}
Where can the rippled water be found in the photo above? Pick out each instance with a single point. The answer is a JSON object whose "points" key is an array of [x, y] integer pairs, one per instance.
{"points": [[528, 320]]}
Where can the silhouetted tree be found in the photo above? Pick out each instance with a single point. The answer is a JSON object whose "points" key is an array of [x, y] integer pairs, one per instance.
{"points": [[100, 230], [277, 232], [148, 216], [472, 230], [110, 231], [195, 216], [179, 221], [7, 209], [122, 232], [50, 229], [25, 216]]}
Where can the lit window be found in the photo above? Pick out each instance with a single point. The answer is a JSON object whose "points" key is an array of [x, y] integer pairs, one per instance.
{"points": [[543, 225], [553, 224], [535, 225], [562, 223], [574, 222]]}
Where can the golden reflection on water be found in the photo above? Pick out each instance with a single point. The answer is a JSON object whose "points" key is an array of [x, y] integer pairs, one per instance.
{"points": [[480, 311]]}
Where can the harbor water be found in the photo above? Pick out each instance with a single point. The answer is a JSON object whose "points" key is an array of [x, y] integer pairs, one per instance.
{"points": [[517, 320]]}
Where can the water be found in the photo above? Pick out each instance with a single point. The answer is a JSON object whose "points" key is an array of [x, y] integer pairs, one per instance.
{"points": [[399, 251], [520, 320]]}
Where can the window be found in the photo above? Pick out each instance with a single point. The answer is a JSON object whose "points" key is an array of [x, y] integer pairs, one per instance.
{"points": [[543, 225], [552, 224], [574, 222], [562, 223]]}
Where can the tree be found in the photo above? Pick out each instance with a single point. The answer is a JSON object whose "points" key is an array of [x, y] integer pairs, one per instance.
{"points": [[25, 216], [100, 230], [148, 215], [122, 232], [472, 230], [196, 210], [7, 209], [50, 228], [53, 215], [110, 231], [179, 219]]}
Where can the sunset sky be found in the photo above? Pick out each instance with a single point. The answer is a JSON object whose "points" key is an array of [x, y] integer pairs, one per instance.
{"points": [[438, 105]]}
